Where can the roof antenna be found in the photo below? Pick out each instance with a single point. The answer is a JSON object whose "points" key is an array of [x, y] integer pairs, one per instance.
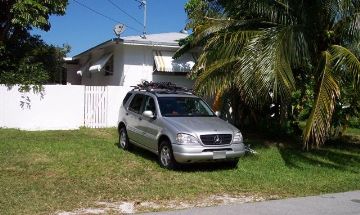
{"points": [[143, 5]]}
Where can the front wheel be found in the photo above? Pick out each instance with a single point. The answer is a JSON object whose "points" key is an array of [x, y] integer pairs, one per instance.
{"points": [[166, 156], [123, 139]]}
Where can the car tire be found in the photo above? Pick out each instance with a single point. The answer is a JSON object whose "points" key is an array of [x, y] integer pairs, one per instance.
{"points": [[166, 156], [123, 139]]}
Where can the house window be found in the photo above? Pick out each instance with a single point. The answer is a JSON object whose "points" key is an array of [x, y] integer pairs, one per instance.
{"points": [[109, 67]]}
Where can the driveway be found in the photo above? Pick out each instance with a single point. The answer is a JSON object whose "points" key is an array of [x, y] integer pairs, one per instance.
{"points": [[329, 204]]}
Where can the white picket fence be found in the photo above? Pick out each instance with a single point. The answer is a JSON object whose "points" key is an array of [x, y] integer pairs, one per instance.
{"points": [[96, 106], [61, 107]]}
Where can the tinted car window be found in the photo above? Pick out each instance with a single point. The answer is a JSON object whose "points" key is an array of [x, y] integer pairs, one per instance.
{"points": [[126, 98], [183, 107], [136, 103]]}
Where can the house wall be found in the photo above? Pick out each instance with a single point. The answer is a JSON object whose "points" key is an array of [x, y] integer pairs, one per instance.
{"points": [[132, 65], [99, 78], [71, 76], [178, 80], [139, 66]]}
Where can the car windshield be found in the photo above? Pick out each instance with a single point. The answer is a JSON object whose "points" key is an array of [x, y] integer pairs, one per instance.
{"points": [[184, 107]]}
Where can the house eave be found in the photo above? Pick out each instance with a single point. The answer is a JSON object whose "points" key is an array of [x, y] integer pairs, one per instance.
{"points": [[95, 47], [150, 43], [128, 42]]}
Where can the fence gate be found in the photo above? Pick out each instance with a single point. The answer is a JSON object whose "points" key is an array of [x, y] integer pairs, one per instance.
{"points": [[96, 106]]}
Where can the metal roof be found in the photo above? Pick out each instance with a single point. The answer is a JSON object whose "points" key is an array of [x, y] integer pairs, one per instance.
{"points": [[171, 38], [161, 39]]}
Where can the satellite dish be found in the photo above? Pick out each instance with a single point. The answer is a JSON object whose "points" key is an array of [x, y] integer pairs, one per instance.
{"points": [[118, 29]]}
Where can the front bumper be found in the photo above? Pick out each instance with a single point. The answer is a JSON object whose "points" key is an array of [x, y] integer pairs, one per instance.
{"points": [[198, 153]]}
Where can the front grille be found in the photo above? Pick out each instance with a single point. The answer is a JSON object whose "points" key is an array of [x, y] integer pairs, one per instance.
{"points": [[216, 139]]}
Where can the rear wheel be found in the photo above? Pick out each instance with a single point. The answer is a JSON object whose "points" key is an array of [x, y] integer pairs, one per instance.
{"points": [[166, 156], [123, 139]]}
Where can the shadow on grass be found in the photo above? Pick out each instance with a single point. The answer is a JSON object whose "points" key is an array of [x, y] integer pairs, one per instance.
{"points": [[191, 167], [206, 167], [257, 141], [140, 152], [337, 154]]}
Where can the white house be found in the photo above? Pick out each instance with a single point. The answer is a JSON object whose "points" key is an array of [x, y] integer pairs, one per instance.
{"points": [[130, 60], [100, 77]]}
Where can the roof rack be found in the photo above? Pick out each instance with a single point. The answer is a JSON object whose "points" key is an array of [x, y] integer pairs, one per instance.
{"points": [[161, 87]]}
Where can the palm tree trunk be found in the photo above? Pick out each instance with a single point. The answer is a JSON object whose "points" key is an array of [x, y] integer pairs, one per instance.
{"points": [[218, 101]]}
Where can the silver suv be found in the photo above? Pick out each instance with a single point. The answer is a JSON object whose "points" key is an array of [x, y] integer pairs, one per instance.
{"points": [[177, 126]]}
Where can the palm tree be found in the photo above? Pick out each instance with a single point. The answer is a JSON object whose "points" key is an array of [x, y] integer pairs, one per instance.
{"points": [[258, 46]]}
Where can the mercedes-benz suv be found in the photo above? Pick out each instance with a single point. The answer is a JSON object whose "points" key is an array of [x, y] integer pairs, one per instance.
{"points": [[177, 126]]}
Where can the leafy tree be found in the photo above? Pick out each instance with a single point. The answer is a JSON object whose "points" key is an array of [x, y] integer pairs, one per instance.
{"points": [[17, 16], [26, 59], [276, 52]]}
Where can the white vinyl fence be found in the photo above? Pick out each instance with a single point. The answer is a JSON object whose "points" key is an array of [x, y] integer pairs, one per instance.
{"points": [[96, 100], [61, 107]]}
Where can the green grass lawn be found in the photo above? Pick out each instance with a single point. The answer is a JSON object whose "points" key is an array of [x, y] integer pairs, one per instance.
{"points": [[45, 172], [353, 132]]}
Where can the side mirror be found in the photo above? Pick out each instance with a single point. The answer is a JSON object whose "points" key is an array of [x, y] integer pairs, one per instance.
{"points": [[149, 114], [218, 113]]}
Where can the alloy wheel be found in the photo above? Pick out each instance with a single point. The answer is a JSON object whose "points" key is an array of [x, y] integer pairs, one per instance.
{"points": [[123, 140], [165, 156]]}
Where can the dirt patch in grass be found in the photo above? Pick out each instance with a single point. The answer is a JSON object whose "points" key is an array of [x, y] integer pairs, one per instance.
{"points": [[38, 158], [101, 133], [146, 206]]}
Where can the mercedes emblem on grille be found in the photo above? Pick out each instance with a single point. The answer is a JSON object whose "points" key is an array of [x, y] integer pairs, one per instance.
{"points": [[217, 139]]}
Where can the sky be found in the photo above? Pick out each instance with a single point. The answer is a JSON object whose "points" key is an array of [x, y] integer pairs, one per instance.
{"points": [[82, 28]]}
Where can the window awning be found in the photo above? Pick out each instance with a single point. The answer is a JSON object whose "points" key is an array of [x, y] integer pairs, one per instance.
{"points": [[83, 69], [99, 64], [165, 63]]}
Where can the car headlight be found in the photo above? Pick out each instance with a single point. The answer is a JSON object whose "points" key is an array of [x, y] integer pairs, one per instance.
{"points": [[238, 138], [186, 139]]}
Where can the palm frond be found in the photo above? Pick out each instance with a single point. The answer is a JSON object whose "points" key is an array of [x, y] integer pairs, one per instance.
{"points": [[318, 125], [214, 67], [217, 81], [338, 9], [186, 46], [348, 28], [220, 50], [346, 7], [210, 27], [278, 11], [343, 57], [265, 67], [224, 45], [213, 27]]}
